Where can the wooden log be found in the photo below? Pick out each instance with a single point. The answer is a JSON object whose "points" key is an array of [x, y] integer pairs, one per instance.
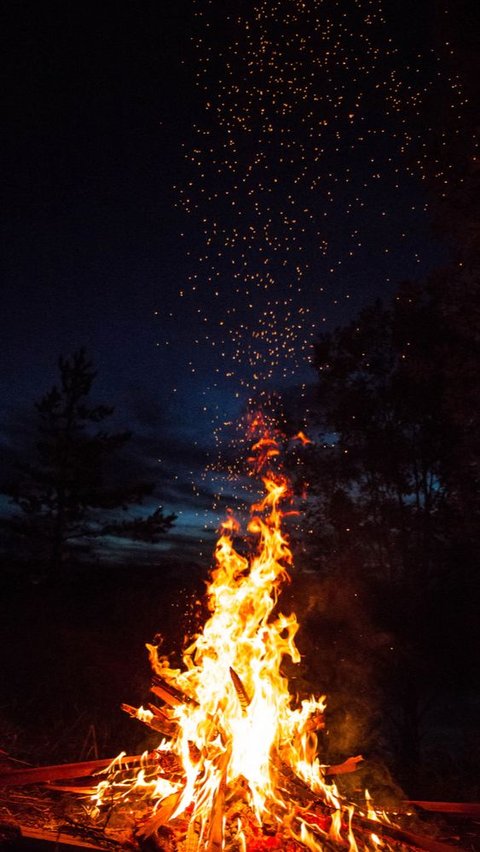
{"points": [[58, 838], [161, 713], [168, 693], [242, 695], [164, 721], [85, 790], [130, 711], [158, 722], [161, 816], [216, 830], [468, 809], [362, 826], [349, 765], [383, 829], [380, 828], [59, 772]]}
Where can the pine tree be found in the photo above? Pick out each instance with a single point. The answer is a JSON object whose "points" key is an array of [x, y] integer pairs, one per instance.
{"points": [[67, 496]]}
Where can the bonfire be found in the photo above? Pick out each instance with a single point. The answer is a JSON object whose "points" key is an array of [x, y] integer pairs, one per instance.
{"points": [[237, 767], [237, 744]]}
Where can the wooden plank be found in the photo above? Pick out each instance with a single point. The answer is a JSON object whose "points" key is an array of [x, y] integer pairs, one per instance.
{"points": [[470, 809], [168, 693], [86, 790], [242, 695], [41, 774], [159, 721], [58, 838]]}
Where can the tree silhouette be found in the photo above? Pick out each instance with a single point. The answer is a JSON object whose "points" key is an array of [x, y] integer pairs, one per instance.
{"points": [[393, 478], [67, 496]]}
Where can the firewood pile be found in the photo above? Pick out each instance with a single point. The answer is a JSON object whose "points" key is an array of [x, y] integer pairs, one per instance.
{"points": [[107, 804], [330, 821], [57, 805]]}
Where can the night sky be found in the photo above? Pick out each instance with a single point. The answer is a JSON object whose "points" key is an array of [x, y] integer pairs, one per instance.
{"points": [[193, 194]]}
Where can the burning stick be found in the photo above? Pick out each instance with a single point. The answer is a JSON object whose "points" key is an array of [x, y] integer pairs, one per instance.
{"points": [[156, 721], [162, 816], [42, 774], [349, 765], [215, 835], [470, 809], [168, 693], [243, 697], [56, 838], [389, 830]]}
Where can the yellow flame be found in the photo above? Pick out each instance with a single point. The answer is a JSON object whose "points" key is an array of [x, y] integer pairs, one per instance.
{"points": [[235, 735]]}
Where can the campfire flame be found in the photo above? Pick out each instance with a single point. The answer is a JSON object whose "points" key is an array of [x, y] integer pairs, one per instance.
{"points": [[240, 744]]}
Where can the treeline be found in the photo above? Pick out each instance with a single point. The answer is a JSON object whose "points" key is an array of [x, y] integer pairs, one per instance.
{"points": [[393, 520]]}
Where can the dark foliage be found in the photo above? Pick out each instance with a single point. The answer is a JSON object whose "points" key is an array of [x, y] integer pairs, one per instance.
{"points": [[68, 495], [394, 509]]}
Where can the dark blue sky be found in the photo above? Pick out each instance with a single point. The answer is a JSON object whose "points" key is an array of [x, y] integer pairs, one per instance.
{"points": [[116, 237]]}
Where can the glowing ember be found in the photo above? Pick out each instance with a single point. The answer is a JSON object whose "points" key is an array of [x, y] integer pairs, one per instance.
{"points": [[238, 745]]}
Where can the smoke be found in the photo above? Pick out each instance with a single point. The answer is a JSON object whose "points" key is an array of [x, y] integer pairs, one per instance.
{"points": [[342, 653]]}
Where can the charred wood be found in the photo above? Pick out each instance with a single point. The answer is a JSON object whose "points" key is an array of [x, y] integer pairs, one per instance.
{"points": [[243, 697], [168, 693], [159, 722]]}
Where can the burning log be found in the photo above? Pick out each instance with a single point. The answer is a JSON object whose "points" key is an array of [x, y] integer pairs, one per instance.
{"points": [[153, 718], [216, 832], [373, 826], [243, 698], [168, 693], [469, 809], [43, 774], [348, 765], [366, 829], [161, 816], [393, 832], [43, 835]]}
